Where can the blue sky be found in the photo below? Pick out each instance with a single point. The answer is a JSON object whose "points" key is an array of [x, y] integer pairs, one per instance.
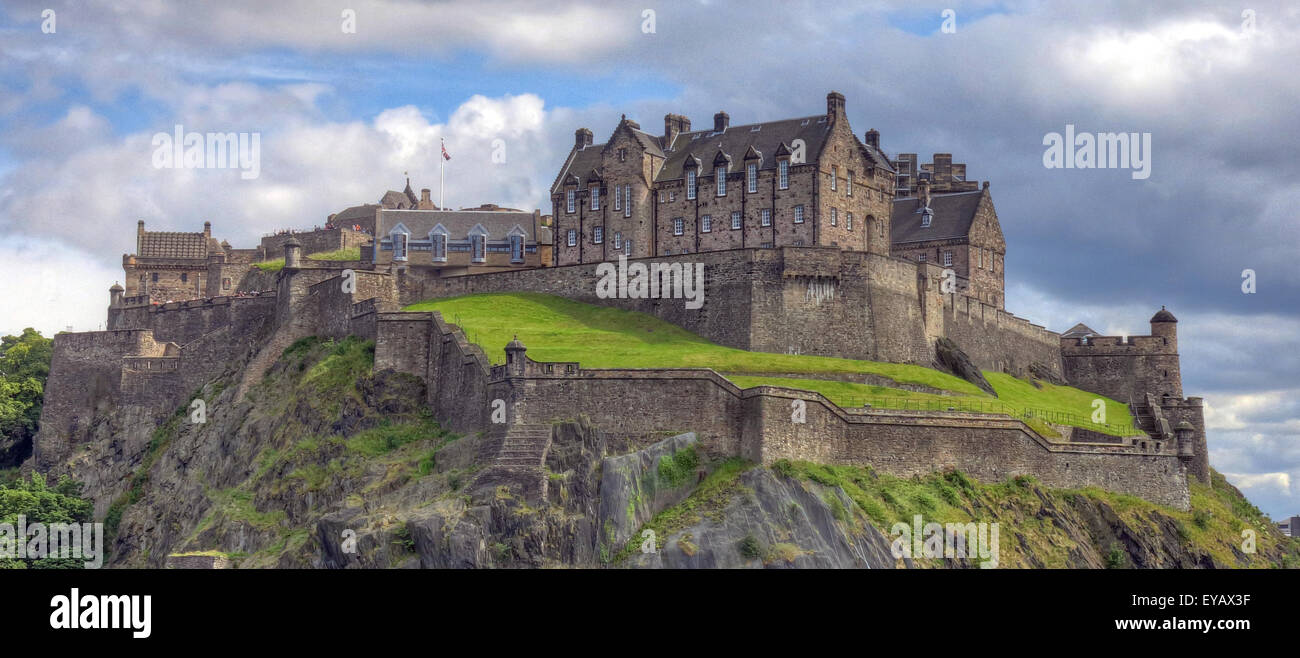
{"points": [[344, 115]]}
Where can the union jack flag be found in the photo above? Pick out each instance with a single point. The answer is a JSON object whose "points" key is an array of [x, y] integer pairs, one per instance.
{"points": [[445, 155]]}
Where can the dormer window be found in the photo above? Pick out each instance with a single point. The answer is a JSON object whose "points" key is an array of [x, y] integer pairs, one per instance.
{"points": [[720, 173], [516, 248], [595, 198], [783, 174], [438, 243], [925, 218], [399, 246], [751, 177], [690, 183], [478, 247]]}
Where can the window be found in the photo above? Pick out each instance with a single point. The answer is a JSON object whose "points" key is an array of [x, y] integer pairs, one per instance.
{"points": [[766, 245], [568, 200], [720, 173], [766, 217], [595, 198], [835, 217], [618, 240], [154, 277], [661, 196], [751, 177], [399, 246], [516, 248], [848, 185], [598, 234], [438, 242], [627, 200], [679, 226], [618, 199], [672, 196], [848, 221], [185, 277], [690, 183], [225, 283], [981, 265], [783, 174], [947, 259], [478, 242], [798, 214], [573, 238], [834, 174], [706, 224], [622, 155], [920, 258], [735, 220], [627, 247], [925, 220], [798, 243]]}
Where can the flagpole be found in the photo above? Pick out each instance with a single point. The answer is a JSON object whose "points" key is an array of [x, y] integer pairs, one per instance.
{"points": [[442, 177]]}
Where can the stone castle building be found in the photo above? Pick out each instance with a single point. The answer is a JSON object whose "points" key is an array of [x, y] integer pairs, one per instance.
{"points": [[807, 181], [809, 242]]}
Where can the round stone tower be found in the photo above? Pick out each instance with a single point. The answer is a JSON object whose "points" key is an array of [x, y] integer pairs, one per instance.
{"points": [[1165, 325], [292, 252]]}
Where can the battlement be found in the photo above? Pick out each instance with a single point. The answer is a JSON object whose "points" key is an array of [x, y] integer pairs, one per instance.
{"points": [[1092, 345]]}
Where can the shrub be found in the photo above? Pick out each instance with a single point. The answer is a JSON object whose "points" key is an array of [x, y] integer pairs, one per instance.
{"points": [[750, 548]]}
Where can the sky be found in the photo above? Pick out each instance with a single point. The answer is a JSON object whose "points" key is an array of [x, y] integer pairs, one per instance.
{"points": [[343, 114]]}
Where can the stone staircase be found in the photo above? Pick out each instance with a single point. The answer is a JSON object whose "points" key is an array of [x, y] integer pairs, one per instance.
{"points": [[256, 368], [525, 446], [518, 464]]}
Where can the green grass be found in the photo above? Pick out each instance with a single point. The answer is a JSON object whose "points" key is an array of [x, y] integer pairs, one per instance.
{"points": [[559, 329], [346, 253], [270, 265]]}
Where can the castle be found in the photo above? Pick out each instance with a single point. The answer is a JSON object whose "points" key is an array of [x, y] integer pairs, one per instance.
{"points": [[807, 247]]}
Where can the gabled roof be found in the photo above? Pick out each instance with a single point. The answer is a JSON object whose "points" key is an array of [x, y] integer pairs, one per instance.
{"points": [[364, 211], [648, 142], [394, 199], [581, 163], [952, 217], [762, 137], [1078, 331], [459, 223], [163, 244]]}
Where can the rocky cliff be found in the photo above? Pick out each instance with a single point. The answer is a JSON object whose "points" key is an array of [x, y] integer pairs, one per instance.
{"points": [[325, 463]]}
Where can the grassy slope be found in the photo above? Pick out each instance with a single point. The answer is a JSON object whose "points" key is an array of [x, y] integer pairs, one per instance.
{"points": [[350, 253], [1023, 508], [558, 329]]}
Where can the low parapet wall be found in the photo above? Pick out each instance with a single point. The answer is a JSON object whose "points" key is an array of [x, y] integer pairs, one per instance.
{"points": [[760, 423]]}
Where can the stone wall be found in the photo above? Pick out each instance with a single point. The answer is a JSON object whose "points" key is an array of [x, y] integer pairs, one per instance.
{"points": [[808, 300], [314, 242]]}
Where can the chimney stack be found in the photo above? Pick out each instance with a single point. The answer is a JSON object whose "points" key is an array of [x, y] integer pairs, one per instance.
{"points": [[834, 106], [720, 121], [923, 192], [873, 138], [674, 125], [207, 229], [581, 138]]}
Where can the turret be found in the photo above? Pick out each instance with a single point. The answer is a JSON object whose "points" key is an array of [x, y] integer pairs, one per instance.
{"points": [[1165, 325], [515, 358], [292, 252], [115, 295]]}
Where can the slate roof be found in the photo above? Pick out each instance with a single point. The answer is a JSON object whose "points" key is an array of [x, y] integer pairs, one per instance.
{"points": [[393, 199], [1163, 316], [350, 215], [952, 218], [163, 244], [457, 222], [1079, 330], [736, 140]]}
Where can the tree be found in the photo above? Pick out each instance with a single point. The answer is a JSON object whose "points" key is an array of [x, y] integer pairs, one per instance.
{"points": [[24, 367]]}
